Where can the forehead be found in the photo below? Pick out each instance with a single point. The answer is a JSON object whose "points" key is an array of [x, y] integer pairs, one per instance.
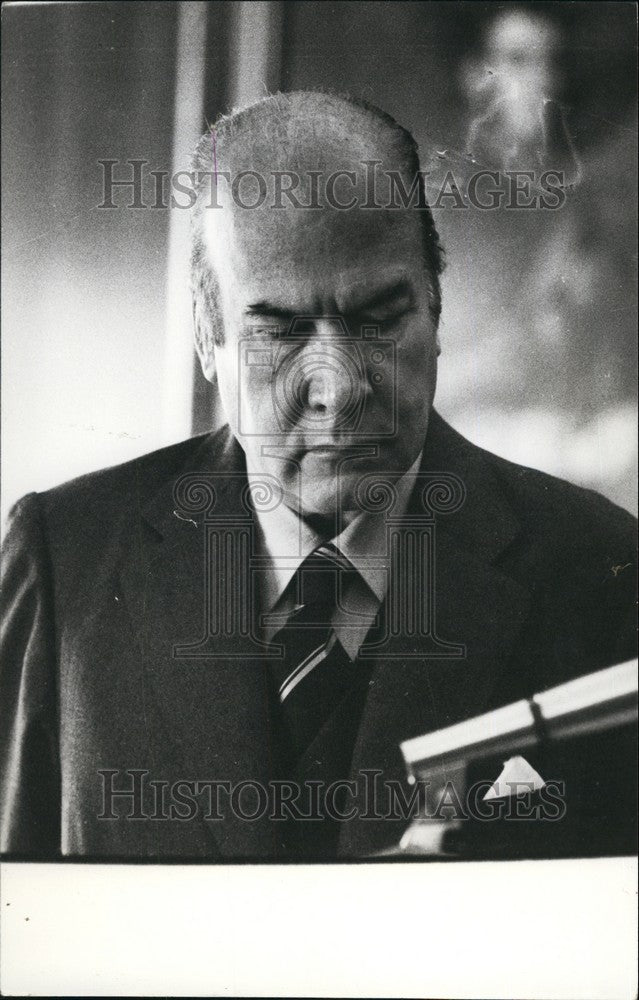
{"points": [[311, 258], [312, 253]]}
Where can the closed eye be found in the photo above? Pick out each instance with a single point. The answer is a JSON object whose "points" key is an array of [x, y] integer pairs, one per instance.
{"points": [[381, 319]]}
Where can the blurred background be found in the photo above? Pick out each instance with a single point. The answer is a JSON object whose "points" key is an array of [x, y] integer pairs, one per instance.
{"points": [[539, 317]]}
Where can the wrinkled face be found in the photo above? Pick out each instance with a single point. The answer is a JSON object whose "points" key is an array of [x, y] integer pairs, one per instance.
{"points": [[328, 367]]}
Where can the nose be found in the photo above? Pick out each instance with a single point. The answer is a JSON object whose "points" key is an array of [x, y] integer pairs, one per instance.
{"points": [[328, 387], [335, 383]]}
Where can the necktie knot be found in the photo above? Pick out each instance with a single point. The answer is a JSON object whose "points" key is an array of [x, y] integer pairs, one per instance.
{"points": [[321, 579]]}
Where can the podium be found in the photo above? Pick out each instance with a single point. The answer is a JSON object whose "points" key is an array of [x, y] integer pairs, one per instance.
{"points": [[551, 776]]}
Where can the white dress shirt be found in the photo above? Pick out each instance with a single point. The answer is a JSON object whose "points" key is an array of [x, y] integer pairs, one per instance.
{"points": [[285, 540]]}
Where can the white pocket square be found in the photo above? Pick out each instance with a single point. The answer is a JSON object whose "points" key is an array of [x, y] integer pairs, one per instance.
{"points": [[517, 778]]}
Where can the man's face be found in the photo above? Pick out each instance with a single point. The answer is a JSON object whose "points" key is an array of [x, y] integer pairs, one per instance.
{"points": [[330, 349]]}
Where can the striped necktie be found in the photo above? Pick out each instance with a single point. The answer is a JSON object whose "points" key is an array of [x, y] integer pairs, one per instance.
{"points": [[315, 671]]}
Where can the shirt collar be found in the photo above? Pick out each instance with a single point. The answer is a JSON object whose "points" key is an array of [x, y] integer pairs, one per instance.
{"points": [[287, 539]]}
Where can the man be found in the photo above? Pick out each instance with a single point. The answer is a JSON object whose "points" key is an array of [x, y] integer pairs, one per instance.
{"points": [[216, 650]]}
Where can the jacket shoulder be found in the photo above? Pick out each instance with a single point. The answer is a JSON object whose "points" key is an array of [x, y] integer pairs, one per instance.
{"points": [[559, 509], [548, 509], [575, 553], [91, 510], [114, 484]]}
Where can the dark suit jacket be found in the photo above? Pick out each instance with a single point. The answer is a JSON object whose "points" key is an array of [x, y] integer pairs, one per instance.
{"points": [[102, 579]]}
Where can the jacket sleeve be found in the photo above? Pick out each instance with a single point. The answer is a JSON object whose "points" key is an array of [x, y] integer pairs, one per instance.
{"points": [[29, 755]]}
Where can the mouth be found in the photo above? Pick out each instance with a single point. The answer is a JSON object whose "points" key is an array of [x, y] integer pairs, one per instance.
{"points": [[346, 449]]}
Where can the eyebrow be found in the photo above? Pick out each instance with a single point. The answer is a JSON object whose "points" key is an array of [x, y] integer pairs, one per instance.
{"points": [[267, 309], [388, 295]]}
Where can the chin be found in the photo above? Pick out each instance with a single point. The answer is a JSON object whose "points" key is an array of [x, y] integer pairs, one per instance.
{"points": [[323, 498]]}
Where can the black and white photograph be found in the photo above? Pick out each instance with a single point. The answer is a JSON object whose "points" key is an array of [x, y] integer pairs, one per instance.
{"points": [[318, 659]]}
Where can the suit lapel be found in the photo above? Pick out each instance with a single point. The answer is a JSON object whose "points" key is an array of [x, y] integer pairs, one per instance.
{"points": [[477, 604], [206, 710]]}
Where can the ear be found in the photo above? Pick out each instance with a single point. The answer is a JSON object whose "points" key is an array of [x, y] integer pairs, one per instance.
{"points": [[204, 341]]}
